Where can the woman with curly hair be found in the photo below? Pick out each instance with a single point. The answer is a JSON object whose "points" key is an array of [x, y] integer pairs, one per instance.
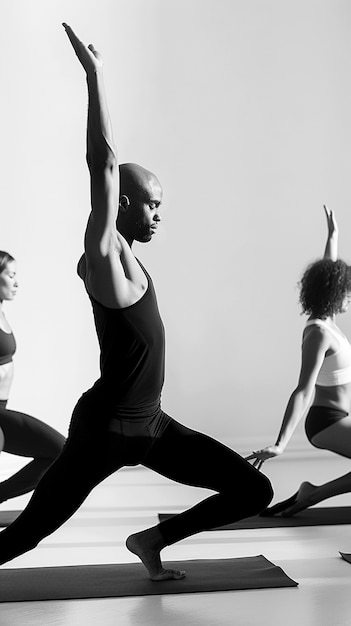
{"points": [[325, 376], [20, 434]]}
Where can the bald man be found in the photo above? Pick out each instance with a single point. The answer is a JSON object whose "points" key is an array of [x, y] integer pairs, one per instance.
{"points": [[119, 421]]}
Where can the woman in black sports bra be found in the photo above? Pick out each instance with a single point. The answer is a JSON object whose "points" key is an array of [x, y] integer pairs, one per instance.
{"points": [[20, 434], [325, 376]]}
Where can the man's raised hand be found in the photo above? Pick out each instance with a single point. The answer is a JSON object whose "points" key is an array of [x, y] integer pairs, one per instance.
{"points": [[90, 58]]}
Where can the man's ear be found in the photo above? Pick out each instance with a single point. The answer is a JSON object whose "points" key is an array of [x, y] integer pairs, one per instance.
{"points": [[124, 203]]}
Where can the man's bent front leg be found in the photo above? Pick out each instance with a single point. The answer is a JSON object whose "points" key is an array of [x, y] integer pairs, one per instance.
{"points": [[194, 459]]}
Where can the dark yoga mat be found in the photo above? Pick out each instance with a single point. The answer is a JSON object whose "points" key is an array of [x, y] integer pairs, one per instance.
{"points": [[316, 516], [130, 579], [7, 517], [346, 556]]}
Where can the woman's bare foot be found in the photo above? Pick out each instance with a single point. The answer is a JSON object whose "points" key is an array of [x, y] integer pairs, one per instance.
{"points": [[305, 497], [147, 545]]}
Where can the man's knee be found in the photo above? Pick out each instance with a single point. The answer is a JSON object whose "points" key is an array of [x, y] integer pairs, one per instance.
{"points": [[264, 491], [55, 448]]}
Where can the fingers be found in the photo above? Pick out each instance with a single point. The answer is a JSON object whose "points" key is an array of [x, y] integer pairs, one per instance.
{"points": [[88, 56], [76, 43], [92, 49], [255, 456], [258, 463], [70, 32], [328, 212], [68, 29], [333, 222]]}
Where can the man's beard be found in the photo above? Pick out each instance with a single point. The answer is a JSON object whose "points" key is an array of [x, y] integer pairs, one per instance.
{"points": [[142, 233]]}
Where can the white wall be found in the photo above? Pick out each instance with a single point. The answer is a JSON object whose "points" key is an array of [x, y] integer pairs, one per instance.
{"points": [[241, 107]]}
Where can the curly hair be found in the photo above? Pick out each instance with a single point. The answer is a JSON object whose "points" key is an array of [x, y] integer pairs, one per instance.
{"points": [[323, 287], [5, 258]]}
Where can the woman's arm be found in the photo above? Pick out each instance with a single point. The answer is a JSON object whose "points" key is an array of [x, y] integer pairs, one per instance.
{"points": [[314, 347], [331, 248]]}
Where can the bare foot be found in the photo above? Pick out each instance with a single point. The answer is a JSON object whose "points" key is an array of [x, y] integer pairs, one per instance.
{"points": [[305, 498], [147, 545]]}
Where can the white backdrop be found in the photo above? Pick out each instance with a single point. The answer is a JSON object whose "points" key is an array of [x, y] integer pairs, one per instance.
{"points": [[242, 109]]}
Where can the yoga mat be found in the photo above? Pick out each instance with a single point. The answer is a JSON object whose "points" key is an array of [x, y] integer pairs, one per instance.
{"points": [[346, 556], [315, 516], [7, 517], [130, 579]]}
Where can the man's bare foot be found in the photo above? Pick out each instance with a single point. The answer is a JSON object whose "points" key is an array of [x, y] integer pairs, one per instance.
{"points": [[304, 498], [147, 545]]}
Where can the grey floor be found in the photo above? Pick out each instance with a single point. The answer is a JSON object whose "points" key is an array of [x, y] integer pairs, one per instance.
{"points": [[131, 499]]}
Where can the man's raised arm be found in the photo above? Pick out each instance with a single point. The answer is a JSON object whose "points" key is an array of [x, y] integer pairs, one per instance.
{"points": [[101, 158]]}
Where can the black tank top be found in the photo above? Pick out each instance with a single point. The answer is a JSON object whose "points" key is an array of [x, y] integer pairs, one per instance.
{"points": [[132, 359]]}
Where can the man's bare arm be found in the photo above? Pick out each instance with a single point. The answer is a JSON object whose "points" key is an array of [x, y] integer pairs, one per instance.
{"points": [[101, 153], [104, 275]]}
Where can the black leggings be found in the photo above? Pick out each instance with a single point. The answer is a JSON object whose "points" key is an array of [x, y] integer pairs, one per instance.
{"points": [[26, 436], [95, 449], [321, 417]]}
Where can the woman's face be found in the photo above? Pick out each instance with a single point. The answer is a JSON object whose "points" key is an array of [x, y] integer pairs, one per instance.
{"points": [[8, 282]]}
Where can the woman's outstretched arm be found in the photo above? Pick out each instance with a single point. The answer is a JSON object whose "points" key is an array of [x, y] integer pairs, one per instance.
{"points": [[331, 247], [314, 347]]}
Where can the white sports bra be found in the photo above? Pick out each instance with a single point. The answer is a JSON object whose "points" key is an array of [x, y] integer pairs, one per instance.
{"points": [[336, 368]]}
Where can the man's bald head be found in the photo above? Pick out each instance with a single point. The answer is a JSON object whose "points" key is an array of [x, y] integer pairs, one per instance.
{"points": [[135, 179]]}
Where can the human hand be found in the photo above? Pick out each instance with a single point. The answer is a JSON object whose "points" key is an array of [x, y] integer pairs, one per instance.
{"points": [[259, 456], [90, 58], [331, 221]]}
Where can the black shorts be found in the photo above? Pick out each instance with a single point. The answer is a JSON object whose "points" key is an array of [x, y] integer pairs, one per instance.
{"points": [[321, 417]]}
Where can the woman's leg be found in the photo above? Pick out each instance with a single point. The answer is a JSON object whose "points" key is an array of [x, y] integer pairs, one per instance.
{"points": [[192, 458], [336, 438], [27, 436]]}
